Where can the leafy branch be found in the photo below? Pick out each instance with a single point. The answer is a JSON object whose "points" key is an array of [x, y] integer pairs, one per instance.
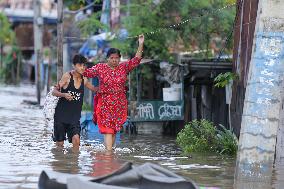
{"points": [[224, 79]]}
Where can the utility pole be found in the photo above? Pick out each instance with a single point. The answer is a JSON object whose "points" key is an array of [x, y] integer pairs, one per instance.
{"points": [[38, 27], [262, 119], [59, 39]]}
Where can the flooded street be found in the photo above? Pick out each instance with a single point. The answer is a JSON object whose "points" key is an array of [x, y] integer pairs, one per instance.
{"points": [[27, 149]]}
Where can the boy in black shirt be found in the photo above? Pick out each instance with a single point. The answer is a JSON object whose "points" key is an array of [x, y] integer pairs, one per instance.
{"points": [[68, 110]]}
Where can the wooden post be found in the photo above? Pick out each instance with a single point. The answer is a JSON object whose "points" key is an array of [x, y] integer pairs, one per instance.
{"points": [[1, 55], [38, 23], [59, 39], [49, 70], [18, 68], [38, 88]]}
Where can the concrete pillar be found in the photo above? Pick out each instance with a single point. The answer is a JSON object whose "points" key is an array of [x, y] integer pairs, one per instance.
{"points": [[38, 32], [260, 119], [67, 59]]}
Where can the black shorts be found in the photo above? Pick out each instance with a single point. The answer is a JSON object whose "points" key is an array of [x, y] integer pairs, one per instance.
{"points": [[61, 129]]}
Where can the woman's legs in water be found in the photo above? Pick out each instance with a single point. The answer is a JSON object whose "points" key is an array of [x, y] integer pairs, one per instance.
{"points": [[113, 140], [109, 141]]}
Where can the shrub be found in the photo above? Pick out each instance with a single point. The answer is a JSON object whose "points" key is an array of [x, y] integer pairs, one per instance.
{"points": [[228, 142], [203, 136], [198, 136]]}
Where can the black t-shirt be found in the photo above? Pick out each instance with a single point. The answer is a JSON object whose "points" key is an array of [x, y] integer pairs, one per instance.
{"points": [[70, 111]]}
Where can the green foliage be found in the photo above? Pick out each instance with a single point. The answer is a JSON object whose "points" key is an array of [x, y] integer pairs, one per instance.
{"points": [[73, 5], [7, 36], [203, 136], [76, 4], [86, 107], [146, 73], [144, 17], [228, 142], [224, 79], [92, 25], [9, 70], [46, 52], [198, 136], [197, 34], [205, 29]]}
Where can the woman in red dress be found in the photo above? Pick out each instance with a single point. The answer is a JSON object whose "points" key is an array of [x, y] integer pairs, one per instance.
{"points": [[110, 111]]}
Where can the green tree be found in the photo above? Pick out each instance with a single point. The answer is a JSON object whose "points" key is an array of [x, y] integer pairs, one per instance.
{"points": [[10, 72], [204, 25], [205, 28], [74, 5], [10, 61], [92, 24], [210, 29], [7, 35], [77, 4]]}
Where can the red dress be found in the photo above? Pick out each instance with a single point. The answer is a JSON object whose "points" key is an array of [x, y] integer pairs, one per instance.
{"points": [[111, 109]]}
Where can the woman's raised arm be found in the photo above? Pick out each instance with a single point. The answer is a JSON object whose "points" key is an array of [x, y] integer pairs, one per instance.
{"points": [[134, 62], [140, 46]]}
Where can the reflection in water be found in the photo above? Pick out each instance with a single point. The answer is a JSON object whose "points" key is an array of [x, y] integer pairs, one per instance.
{"points": [[65, 160], [278, 177], [252, 185], [104, 163], [274, 181]]}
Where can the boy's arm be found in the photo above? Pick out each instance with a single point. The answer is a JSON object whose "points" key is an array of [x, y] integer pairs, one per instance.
{"points": [[63, 82], [90, 86]]}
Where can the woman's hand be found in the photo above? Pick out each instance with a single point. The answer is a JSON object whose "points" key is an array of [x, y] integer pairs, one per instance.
{"points": [[140, 46], [141, 39]]}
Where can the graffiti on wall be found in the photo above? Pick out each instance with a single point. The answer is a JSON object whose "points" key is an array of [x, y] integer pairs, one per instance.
{"points": [[170, 111], [146, 111], [158, 111]]}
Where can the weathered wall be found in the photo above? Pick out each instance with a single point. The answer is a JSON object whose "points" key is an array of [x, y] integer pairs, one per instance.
{"points": [[262, 105], [243, 42]]}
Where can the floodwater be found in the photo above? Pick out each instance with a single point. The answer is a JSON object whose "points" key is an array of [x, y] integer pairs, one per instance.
{"points": [[26, 149]]}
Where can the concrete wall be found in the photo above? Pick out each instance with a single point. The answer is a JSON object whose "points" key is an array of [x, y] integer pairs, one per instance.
{"points": [[262, 106], [149, 128]]}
